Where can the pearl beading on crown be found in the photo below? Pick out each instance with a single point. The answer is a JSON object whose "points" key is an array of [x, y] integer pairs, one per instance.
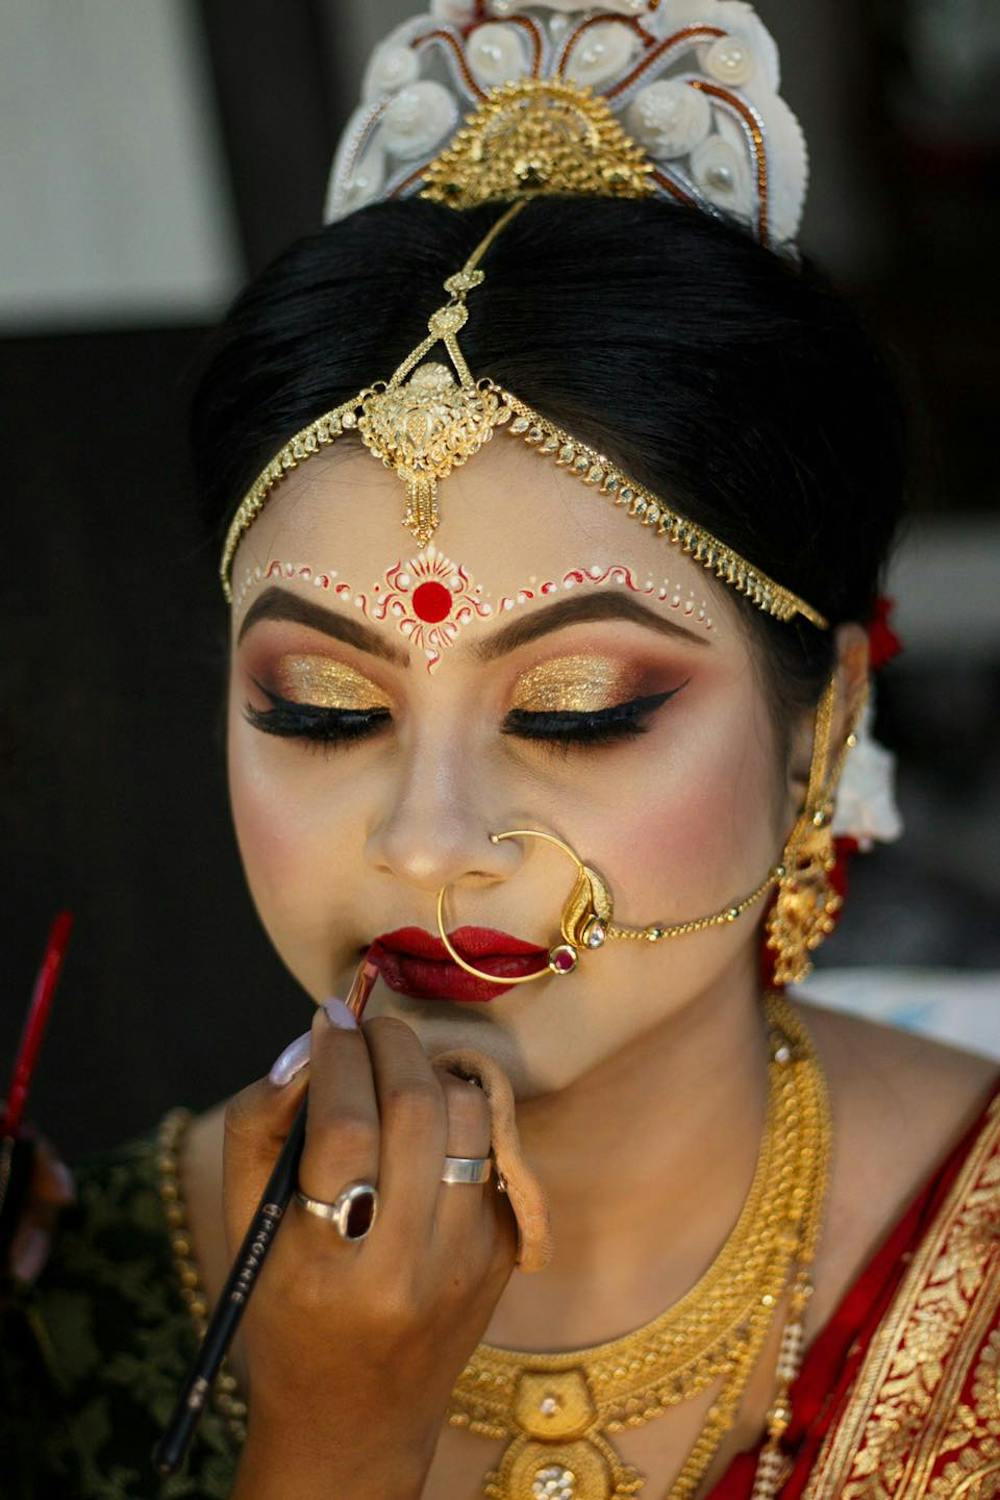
{"points": [[694, 83]]}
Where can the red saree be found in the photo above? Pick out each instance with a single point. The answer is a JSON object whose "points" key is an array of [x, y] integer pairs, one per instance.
{"points": [[899, 1394]]}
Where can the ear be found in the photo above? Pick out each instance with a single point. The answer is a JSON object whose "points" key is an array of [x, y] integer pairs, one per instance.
{"points": [[852, 682]]}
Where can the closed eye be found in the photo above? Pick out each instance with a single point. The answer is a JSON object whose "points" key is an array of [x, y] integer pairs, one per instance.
{"points": [[332, 726], [595, 727]]}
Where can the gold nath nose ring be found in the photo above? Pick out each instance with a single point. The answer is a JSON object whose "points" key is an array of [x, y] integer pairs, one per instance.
{"points": [[584, 922], [586, 919]]}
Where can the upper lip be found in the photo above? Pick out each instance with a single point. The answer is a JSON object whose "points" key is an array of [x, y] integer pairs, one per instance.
{"points": [[470, 942]]}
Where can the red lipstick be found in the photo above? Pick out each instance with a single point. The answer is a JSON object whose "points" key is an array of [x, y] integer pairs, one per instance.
{"points": [[415, 963]]}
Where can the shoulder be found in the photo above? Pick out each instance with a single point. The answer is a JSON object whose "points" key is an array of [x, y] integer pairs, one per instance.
{"points": [[899, 1079], [900, 1104], [900, 1100]]}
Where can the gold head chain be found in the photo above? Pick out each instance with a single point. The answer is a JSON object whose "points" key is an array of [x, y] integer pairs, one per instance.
{"points": [[423, 423]]}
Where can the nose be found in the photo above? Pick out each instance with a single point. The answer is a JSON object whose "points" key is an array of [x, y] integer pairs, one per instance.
{"points": [[436, 828]]}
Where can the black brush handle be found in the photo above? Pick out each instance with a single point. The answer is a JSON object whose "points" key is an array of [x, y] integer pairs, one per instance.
{"points": [[168, 1454]]}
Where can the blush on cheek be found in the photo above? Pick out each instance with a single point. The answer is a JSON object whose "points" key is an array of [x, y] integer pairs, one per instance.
{"points": [[695, 832]]}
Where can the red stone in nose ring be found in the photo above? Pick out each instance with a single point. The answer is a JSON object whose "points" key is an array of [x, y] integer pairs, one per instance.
{"points": [[584, 923]]}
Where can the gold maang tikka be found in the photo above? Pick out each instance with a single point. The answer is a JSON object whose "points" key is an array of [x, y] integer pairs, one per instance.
{"points": [[803, 912]]}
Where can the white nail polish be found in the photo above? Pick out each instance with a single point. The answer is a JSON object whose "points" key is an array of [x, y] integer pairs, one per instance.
{"points": [[339, 1015], [291, 1061], [30, 1253], [64, 1179]]}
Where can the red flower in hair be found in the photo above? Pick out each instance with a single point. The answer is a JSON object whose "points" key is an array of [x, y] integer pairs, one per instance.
{"points": [[883, 642]]}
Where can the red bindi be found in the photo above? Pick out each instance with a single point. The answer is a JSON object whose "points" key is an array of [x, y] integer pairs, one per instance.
{"points": [[431, 602]]}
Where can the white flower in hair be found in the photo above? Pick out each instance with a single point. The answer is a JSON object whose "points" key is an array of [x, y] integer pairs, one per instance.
{"points": [[389, 69], [669, 118], [418, 118], [602, 53], [721, 172], [866, 799], [497, 54]]}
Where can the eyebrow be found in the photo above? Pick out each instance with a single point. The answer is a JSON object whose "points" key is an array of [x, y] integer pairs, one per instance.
{"points": [[613, 606], [282, 604]]}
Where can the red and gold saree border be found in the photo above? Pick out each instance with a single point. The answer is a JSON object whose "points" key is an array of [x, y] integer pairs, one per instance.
{"points": [[922, 1420]]}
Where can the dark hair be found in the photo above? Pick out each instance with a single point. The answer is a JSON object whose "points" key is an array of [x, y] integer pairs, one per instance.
{"points": [[736, 383]]}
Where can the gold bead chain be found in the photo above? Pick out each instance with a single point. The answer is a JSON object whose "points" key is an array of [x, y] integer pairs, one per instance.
{"points": [[170, 1137], [656, 932]]}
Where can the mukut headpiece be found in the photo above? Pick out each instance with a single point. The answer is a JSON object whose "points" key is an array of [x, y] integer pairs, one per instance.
{"points": [[633, 99]]}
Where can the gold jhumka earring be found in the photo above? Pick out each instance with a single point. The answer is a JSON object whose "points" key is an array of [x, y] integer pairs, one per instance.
{"points": [[806, 906]]}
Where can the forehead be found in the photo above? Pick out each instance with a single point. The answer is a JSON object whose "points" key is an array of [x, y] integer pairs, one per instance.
{"points": [[509, 518]]}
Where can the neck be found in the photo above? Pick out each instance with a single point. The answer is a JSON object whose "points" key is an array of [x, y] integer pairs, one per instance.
{"points": [[673, 1126]]}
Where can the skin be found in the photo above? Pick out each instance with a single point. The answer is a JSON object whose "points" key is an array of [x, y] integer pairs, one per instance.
{"points": [[652, 1056]]}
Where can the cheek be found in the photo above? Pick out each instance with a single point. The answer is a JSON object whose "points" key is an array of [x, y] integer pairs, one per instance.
{"points": [[286, 836], [697, 824]]}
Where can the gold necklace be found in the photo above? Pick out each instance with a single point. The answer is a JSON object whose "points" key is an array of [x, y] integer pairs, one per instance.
{"points": [[555, 1408]]}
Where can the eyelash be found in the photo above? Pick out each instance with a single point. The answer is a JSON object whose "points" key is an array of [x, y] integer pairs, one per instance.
{"points": [[328, 727]]}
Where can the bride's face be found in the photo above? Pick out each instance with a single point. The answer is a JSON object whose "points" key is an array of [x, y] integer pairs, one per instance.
{"points": [[546, 663]]}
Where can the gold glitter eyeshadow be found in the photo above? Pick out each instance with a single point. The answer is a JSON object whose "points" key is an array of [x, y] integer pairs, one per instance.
{"points": [[326, 683], [574, 684]]}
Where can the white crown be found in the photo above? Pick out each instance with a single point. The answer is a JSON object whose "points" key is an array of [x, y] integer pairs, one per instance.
{"points": [[693, 82]]}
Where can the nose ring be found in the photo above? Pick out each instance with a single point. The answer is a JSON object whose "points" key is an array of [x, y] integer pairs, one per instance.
{"points": [[584, 922]]}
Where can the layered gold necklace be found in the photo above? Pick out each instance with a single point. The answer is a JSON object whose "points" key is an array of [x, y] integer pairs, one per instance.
{"points": [[555, 1410]]}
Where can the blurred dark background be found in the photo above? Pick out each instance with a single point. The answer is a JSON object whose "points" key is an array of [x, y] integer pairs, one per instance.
{"points": [[155, 155]]}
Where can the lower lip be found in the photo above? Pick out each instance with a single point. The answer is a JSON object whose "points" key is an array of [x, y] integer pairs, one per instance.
{"points": [[441, 979]]}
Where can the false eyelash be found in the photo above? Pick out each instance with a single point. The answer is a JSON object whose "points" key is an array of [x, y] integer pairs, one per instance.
{"points": [[620, 721], [328, 727], [307, 721]]}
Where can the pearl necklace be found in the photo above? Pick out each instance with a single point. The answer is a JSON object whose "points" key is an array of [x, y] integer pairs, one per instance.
{"points": [[555, 1409]]}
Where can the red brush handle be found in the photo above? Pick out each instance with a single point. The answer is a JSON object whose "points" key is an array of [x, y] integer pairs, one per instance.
{"points": [[35, 1022]]}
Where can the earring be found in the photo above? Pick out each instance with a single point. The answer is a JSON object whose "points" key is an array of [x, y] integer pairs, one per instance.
{"points": [[806, 905]]}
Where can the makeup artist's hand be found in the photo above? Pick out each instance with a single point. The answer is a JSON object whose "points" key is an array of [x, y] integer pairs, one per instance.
{"points": [[353, 1349], [51, 1189]]}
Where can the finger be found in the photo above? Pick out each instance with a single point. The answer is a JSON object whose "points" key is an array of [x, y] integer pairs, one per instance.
{"points": [[257, 1123], [414, 1127], [469, 1134], [342, 1125], [29, 1251], [469, 1119], [51, 1179]]}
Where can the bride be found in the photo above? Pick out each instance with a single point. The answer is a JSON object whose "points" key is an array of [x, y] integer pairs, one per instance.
{"points": [[551, 712]]}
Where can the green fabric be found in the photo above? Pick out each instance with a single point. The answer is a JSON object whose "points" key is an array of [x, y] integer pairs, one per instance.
{"points": [[93, 1354]]}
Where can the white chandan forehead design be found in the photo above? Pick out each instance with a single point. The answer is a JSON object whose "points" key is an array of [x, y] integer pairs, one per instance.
{"points": [[693, 82], [430, 598]]}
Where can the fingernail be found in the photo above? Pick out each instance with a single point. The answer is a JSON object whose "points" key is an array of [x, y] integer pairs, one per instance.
{"points": [[291, 1061], [339, 1015], [30, 1253], [64, 1177]]}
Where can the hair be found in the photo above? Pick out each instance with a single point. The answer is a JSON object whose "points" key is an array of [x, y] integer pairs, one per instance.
{"points": [[734, 381]]}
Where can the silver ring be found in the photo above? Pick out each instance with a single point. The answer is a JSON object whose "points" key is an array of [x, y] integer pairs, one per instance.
{"points": [[467, 1169], [353, 1212]]}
